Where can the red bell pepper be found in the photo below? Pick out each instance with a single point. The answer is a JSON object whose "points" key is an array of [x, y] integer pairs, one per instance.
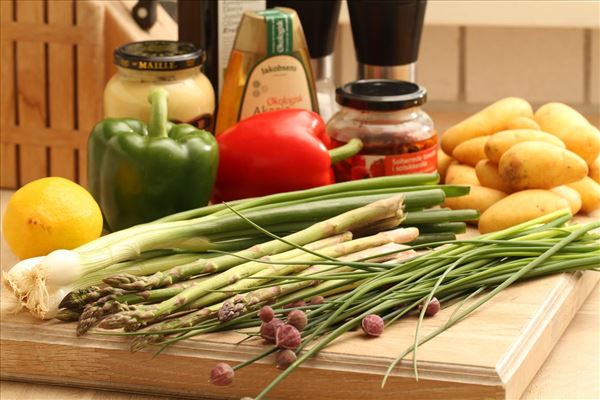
{"points": [[277, 151]]}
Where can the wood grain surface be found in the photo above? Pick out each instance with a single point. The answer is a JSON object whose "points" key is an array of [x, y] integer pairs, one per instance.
{"points": [[458, 364]]}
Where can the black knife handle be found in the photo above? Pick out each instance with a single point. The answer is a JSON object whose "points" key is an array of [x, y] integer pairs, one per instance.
{"points": [[144, 13]]}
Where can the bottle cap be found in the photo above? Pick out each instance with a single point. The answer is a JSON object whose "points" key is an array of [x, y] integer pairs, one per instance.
{"points": [[381, 95], [159, 55]]}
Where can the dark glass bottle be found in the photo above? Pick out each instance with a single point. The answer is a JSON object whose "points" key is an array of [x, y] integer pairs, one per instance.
{"points": [[211, 25]]}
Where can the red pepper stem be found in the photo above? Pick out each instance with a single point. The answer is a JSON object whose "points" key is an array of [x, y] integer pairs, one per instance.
{"points": [[346, 151], [157, 126]]}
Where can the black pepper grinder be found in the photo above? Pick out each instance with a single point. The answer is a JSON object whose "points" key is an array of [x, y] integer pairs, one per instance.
{"points": [[387, 34], [319, 21]]}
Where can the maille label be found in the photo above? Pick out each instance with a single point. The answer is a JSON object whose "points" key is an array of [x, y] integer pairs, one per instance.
{"points": [[156, 65], [279, 31]]}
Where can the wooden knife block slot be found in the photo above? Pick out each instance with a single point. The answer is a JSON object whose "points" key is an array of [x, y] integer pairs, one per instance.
{"points": [[56, 59]]}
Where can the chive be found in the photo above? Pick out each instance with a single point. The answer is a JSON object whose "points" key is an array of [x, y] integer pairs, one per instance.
{"points": [[454, 227], [437, 216]]}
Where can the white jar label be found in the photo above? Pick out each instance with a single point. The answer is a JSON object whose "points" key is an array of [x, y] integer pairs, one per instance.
{"points": [[276, 83]]}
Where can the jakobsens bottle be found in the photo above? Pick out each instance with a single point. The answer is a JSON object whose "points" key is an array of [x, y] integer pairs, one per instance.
{"points": [[268, 68]]}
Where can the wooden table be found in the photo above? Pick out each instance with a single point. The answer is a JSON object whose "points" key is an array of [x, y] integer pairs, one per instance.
{"points": [[571, 371]]}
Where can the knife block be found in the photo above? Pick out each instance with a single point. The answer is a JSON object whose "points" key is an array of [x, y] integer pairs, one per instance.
{"points": [[56, 59]]}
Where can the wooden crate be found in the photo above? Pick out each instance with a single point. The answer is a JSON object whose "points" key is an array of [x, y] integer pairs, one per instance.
{"points": [[56, 59]]}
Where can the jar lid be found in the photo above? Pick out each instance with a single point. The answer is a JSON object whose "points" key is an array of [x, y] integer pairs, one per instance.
{"points": [[159, 55], [381, 95]]}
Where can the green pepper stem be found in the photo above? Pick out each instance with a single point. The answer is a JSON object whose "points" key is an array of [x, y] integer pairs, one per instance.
{"points": [[348, 150], [158, 113]]}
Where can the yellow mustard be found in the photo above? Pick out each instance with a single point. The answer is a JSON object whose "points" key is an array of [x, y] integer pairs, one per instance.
{"points": [[174, 66]]}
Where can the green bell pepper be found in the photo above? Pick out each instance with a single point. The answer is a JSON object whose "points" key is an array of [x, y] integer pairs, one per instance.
{"points": [[138, 174]]}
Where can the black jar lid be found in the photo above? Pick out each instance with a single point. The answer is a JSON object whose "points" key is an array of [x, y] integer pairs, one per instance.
{"points": [[159, 55], [381, 95]]}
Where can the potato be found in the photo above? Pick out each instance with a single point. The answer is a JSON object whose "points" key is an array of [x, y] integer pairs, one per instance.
{"points": [[443, 161], [570, 195], [459, 174], [470, 151], [488, 176], [539, 165], [499, 142], [519, 207], [523, 123], [491, 119], [594, 171], [479, 198], [572, 128], [589, 190]]}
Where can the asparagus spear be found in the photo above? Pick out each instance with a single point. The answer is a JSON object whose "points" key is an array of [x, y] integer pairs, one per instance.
{"points": [[94, 312]]}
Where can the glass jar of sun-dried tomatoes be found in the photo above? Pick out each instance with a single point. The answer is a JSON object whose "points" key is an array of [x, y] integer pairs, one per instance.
{"points": [[398, 136]]}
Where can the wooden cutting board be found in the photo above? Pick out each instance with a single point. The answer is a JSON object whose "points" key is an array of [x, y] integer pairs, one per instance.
{"points": [[493, 354]]}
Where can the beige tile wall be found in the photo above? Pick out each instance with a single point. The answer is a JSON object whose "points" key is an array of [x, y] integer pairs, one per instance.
{"points": [[538, 64], [594, 62], [477, 65], [439, 66]]}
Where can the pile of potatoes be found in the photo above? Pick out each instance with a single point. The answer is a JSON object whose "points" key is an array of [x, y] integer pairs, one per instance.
{"points": [[520, 164]]}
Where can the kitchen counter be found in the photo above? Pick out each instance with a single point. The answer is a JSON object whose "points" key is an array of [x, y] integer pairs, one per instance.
{"points": [[570, 372]]}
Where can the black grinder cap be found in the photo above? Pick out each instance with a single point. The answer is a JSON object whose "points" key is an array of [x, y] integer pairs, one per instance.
{"points": [[387, 32], [381, 95], [319, 22]]}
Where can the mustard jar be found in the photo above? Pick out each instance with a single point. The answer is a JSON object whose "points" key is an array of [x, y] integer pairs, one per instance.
{"points": [[171, 65]]}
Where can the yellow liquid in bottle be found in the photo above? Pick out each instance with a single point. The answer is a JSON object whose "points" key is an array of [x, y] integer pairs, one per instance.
{"points": [[255, 82]]}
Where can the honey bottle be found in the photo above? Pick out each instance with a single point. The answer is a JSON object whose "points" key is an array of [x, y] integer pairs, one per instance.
{"points": [[269, 68]]}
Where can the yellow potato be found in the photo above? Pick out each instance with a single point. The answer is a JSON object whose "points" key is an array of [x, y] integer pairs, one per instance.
{"points": [[460, 174], [589, 190], [572, 128], [490, 120], [470, 151], [479, 198], [523, 123], [594, 171], [539, 165], [499, 142], [488, 176], [443, 161], [519, 207], [570, 195]]}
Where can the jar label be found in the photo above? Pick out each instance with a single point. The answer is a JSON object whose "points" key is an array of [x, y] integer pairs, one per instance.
{"points": [[424, 161], [276, 83]]}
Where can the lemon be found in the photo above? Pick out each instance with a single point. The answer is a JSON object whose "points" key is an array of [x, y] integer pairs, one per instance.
{"points": [[49, 214]]}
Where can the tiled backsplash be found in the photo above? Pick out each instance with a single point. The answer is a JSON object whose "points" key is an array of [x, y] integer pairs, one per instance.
{"points": [[479, 64]]}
